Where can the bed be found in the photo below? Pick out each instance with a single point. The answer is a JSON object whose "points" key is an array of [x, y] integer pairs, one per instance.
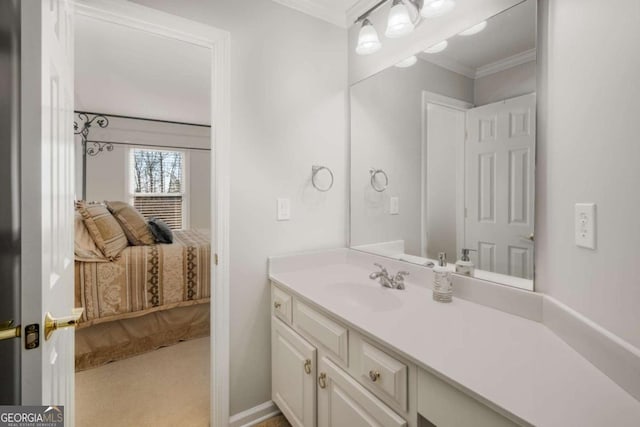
{"points": [[147, 297]]}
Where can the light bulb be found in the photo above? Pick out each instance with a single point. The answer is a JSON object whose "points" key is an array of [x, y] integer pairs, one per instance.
{"points": [[368, 41], [438, 47], [399, 22], [434, 8], [474, 30], [408, 62]]}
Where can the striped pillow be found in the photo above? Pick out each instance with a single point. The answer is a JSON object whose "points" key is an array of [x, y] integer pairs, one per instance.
{"points": [[104, 229], [132, 223]]}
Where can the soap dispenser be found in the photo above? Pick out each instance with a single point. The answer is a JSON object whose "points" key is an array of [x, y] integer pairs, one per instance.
{"points": [[442, 285], [464, 264]]}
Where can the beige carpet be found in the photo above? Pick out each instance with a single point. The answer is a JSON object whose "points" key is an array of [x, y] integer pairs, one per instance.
{"points": [[166, 387], [279, 421]]}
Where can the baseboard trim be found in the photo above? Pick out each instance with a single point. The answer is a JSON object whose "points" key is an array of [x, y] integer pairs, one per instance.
{"points": [[255, 415], [616, 358]]}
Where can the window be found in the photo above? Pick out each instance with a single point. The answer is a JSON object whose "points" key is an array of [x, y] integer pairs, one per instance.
{"points": [[157, 180]]}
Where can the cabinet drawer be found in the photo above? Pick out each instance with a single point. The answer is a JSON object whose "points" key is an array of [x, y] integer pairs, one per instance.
{"points": [[342, 401], [281, 304], [444, 405], [383, 373], [318, 327]]}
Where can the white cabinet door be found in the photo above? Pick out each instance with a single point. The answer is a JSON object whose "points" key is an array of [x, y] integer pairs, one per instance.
{"points": [[47, 201], [343, 402], [500, 152], [293, 370]]}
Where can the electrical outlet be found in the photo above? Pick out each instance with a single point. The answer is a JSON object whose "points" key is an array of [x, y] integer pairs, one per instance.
{"points": [[283, 210], [585, 225]]}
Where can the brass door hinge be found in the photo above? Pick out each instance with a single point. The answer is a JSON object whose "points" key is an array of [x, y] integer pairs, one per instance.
{"points": [[215, 259]]}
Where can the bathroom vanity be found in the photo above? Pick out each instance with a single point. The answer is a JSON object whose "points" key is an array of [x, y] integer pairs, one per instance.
{"points": [[348, 352]]}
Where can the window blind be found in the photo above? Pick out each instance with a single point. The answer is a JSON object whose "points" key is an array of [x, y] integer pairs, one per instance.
{"points": [[167, 208]]}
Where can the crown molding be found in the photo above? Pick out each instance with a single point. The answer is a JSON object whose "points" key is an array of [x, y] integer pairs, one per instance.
{"points": [[317, 9], [506, 63], [449, 64], [485, 70]]}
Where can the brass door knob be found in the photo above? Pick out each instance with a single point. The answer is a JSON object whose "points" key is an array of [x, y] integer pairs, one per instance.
{"points": [[322, 380], [277, 305], [307, 366], [51, 324], [374, 375]]}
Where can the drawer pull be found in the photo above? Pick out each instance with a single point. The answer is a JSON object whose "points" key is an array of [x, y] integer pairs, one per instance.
{"points": [[277, 305], [374, 375], [307, 366], [322, 380]]}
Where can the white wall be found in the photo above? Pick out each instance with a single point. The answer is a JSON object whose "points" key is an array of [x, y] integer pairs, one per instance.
{"points": [[509, 83], [444, 158], [588, 151], [107, 172], [386, 133], [288, 88]]}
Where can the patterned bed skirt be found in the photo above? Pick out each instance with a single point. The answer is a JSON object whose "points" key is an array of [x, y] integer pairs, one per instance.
{"points": [[146, 279]]}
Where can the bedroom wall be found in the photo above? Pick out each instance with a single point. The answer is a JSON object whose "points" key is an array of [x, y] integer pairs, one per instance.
{"points": [[288, 112], [107, 172]]}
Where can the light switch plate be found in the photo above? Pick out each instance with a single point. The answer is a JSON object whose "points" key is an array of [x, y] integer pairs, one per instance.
{"points": [[394, 205], [585, 225], [283, 209]]}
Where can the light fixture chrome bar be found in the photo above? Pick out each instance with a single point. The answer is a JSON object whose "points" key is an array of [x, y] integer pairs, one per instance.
{"points": [[369, 11], [416, 3]]}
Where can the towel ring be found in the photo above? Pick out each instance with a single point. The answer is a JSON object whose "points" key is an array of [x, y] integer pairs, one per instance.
{"points": [[314, 172], [379, 188]]}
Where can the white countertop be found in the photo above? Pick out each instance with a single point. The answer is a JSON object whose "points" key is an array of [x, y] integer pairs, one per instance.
{"points": [[518, 366]]}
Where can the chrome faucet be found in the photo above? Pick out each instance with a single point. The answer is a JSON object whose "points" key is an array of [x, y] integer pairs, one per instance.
{"points": [[393, 282]]}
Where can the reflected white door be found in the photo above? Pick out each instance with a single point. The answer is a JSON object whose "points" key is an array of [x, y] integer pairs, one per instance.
{"points": [[499, 185], [47, 194]]}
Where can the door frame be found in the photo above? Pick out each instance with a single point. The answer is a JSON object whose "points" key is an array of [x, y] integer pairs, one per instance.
{"points": [[456, 104], [218, 41]]}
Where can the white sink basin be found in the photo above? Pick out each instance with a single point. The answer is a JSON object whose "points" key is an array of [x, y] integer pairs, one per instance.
{"points": [[369, 296]]}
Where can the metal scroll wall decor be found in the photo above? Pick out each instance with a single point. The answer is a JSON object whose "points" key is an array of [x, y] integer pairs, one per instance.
{"points": [[90, 148]]}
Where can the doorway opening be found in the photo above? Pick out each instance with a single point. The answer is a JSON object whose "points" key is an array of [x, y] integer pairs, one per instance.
{"points": [[156, 88]]}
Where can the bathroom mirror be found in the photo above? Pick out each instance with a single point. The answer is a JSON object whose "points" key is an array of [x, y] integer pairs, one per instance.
{"points": [[443, 152]]}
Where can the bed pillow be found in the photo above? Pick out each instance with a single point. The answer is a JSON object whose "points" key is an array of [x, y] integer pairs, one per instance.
{"points": [[84, 247], [104, 229], [160, 230], [132, 223]]}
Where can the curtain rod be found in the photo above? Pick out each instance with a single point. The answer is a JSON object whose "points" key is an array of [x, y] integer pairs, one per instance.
{"points": [[147, 145], [144, 118]]}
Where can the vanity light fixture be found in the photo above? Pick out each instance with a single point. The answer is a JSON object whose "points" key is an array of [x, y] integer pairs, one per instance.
{"points": [[474, 30], [408, 62], [368, 41], [437, 48], [402, 19], [435, 8]]}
